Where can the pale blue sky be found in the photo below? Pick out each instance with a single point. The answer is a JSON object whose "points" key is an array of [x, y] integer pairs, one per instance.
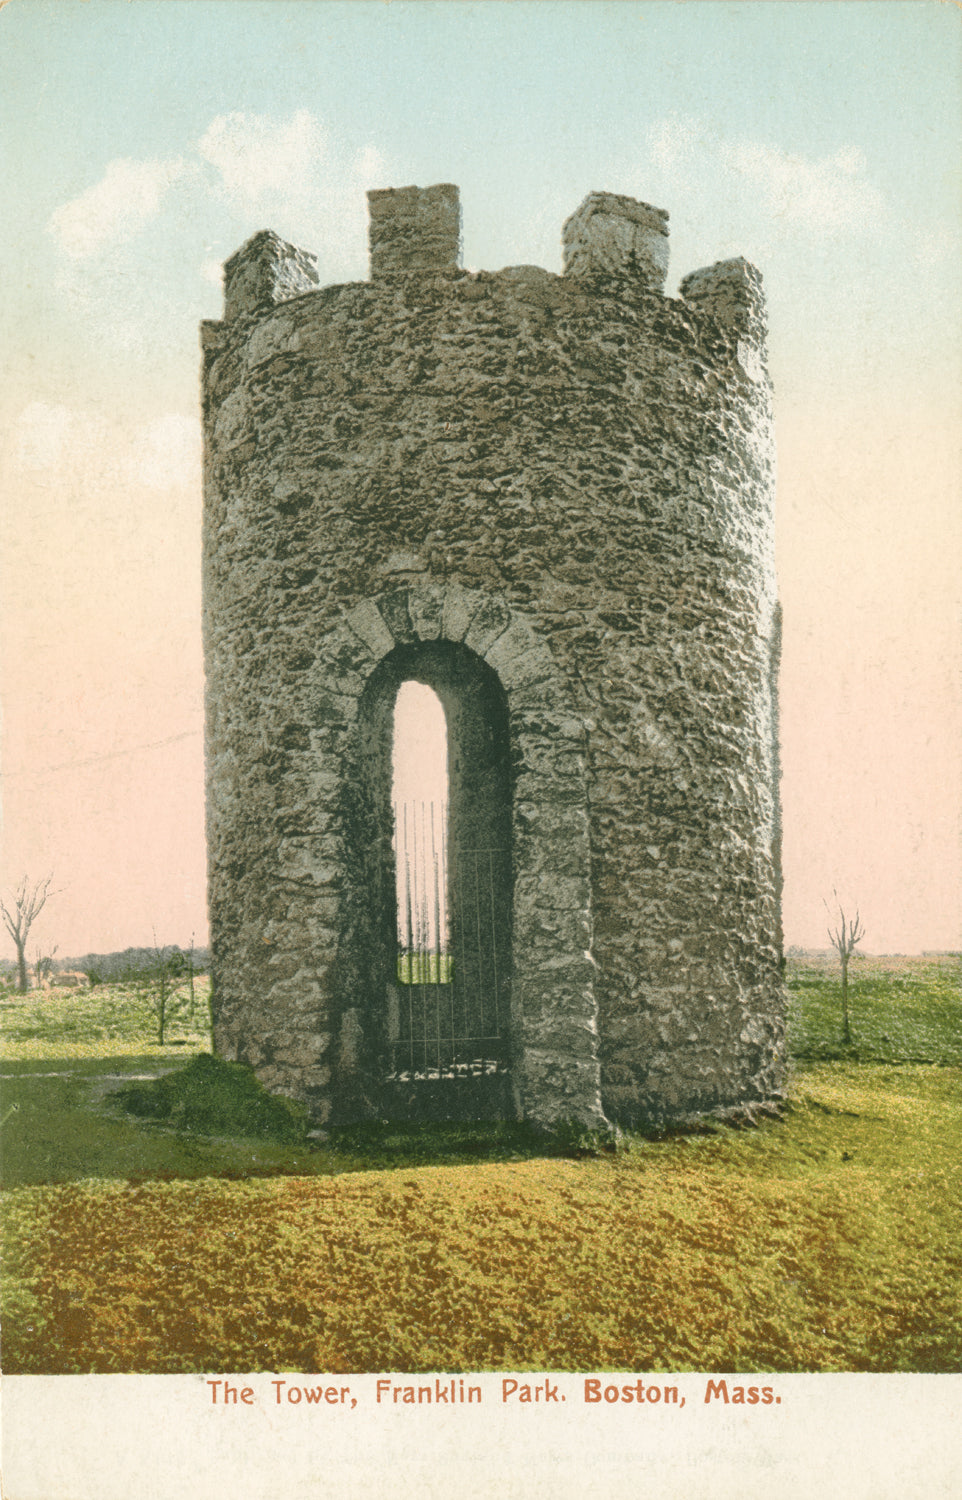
{"points": [[527, 106], [145, 141]]}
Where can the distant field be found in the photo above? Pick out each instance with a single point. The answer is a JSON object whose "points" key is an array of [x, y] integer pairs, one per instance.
{"points": [[110, 1021], [828, 1241], [903, 1009]]}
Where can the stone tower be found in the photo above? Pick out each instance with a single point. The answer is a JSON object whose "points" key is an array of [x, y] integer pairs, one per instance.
{"points": [[550, 498]]}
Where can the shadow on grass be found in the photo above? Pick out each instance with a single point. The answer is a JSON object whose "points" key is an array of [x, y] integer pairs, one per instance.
{"points": [[141, 1118]]}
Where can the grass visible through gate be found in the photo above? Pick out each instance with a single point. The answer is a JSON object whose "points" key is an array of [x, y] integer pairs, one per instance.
{"points": [[425, 968], [829, 1241]]}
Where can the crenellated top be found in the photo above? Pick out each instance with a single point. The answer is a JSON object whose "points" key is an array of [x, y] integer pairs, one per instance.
{"points": [[732, 291], [417, 231]]}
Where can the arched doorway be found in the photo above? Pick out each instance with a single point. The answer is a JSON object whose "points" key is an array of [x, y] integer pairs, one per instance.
{"points": [[439, 758]]}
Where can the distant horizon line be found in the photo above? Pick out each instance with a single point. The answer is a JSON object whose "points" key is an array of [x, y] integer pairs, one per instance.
{"points": [[792, 950]]}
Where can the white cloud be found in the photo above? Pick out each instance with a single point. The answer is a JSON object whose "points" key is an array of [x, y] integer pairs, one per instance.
{"points": [[672, 142], [245, 172], [212, 271], [289, 172], [938, 246], [259, 157], [828, 193], [127, 197], [368, 166]]}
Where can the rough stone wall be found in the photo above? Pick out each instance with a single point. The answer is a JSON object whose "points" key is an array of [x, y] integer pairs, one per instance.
{"points": [[571, 477]]}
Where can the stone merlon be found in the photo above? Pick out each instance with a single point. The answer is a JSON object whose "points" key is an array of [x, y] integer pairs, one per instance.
{"points": [[414, 229], [418, 230], [732, 292], [617, 236], [264, 271]]}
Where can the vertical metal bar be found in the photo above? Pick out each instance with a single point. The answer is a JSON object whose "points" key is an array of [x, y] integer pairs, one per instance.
{"points": [[448, 935], [411, 877], [408, 938], [425, 971], [494, 943], [417, 927], [477, 907], [444, 883], [462, 924], [416, 997], [420, 967], [437, 943]]}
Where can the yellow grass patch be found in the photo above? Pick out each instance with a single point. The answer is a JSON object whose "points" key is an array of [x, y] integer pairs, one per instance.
{"points": [[820, 1244]]}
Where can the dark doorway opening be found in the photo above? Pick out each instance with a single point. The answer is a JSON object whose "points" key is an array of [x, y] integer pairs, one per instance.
{"points": [[445, 889]]}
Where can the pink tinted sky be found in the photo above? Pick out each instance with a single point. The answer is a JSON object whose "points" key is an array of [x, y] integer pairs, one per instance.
{"points": [[155, 139]]}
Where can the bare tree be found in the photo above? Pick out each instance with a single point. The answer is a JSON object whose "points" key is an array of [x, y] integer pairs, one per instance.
{"points": [[844, 936], [19, 915], [166, 974]]}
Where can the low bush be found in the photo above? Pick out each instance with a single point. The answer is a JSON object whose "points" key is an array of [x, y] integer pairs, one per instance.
{"points": [[213, 1097]]}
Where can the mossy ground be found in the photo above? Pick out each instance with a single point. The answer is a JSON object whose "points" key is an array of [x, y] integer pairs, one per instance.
{"points": [[828, 1241]]}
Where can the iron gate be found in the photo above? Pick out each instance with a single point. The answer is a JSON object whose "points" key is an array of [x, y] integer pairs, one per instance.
{"points": [[447, 1021]]}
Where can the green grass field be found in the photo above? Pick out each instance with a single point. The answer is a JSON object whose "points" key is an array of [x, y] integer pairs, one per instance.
{"points": [[902, 1009], [827, 1241]]}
